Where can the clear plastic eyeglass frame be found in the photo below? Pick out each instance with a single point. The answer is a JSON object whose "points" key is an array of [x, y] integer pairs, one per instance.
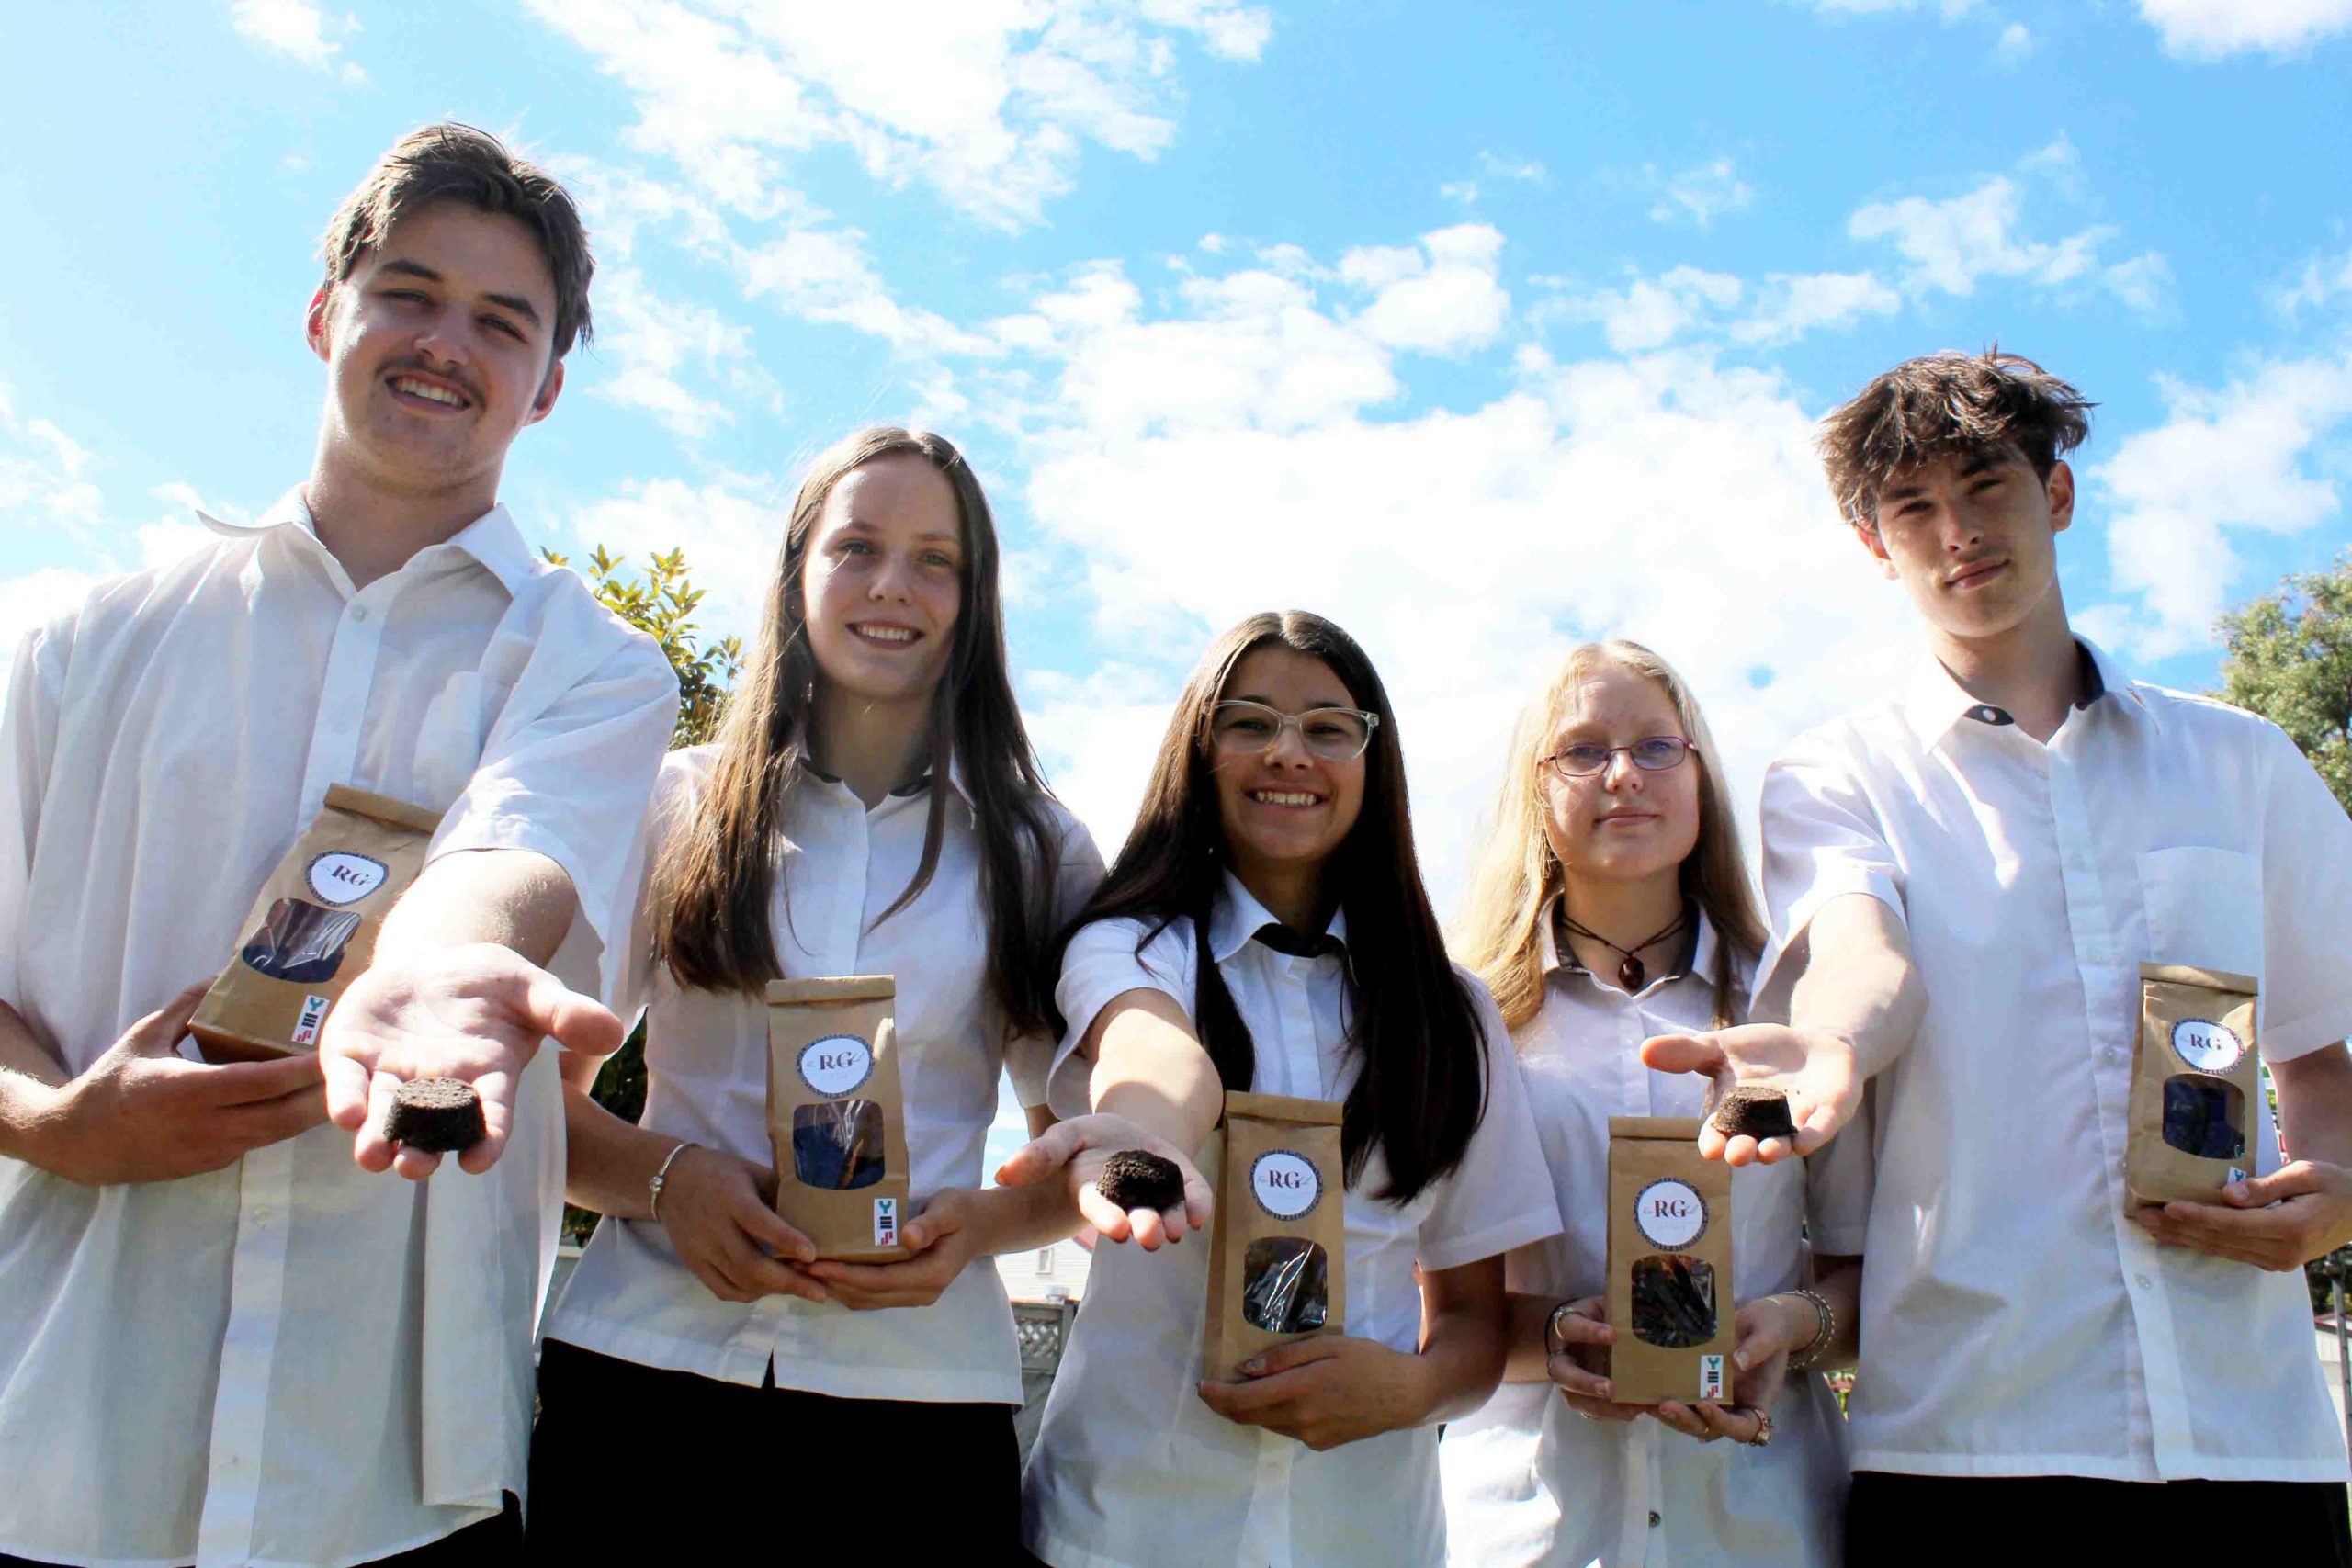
{"points": [[1654, 755], [1336, 735]]}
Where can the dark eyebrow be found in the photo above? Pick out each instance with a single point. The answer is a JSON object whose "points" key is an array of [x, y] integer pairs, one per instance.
{"points": [[514, 303], [1264, 702], [865, 526]]}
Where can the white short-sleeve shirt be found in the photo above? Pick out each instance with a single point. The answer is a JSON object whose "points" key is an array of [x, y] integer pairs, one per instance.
{"points": [[2014, 1320], [288, 1360], [1130, 1469], [1530, 1481], [706, 1066]]}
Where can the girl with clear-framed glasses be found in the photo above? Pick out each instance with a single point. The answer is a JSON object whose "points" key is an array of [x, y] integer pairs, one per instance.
{"points": [[1265, 927], [1612, 904]]}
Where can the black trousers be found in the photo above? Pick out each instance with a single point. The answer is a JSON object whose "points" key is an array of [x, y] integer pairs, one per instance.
{"points": [[630, 1460], [492, 1543], [2026, 1521]]}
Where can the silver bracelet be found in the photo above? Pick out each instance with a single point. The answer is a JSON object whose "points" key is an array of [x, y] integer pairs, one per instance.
{"points": [[661, 1180], [1825, 1331]]}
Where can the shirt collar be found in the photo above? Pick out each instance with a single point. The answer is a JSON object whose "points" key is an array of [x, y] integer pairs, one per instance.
{"points": [[1936, 701], [912, 787], [491, 539], [1239, 914], [1697, 956]]}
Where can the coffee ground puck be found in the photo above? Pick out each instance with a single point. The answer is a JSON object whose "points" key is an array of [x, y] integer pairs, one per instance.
{"points": [[435, 1115], [1757, 1112], [1134, 1180]]}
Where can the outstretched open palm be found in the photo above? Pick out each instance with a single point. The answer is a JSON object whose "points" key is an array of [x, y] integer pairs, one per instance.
{"points": [[476, 1012], [1813, 1068]]}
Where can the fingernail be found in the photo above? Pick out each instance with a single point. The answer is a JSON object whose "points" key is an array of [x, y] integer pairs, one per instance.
{"points": [[1253, 1367], [1608, 1389], [1740, 1360], [2236, 1190]]}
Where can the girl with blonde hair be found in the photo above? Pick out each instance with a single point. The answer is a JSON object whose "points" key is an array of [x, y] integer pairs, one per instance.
{"points": [[1612, 904]]}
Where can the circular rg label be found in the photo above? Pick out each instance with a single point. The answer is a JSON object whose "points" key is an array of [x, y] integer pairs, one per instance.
{"points": [[340, 877], [1670, 1212], [1285, 1185], [836, 1064], [2208, 1047]]}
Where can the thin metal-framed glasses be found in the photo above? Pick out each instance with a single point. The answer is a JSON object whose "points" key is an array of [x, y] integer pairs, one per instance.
{"points": [[1336, 735], [1653, 755]]}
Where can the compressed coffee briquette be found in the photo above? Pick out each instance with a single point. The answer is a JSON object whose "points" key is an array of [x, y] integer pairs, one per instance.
{"points": [[838, 1144], [1757, 1112], [1674, 1301], [1285, 1285], [437, 1116], [1134, 1180], [2200, 1113]]}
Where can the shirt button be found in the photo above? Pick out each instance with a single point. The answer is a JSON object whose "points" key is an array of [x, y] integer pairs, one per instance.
{"points": [[359, 613], [2142, 1282], [1654, 1517]]}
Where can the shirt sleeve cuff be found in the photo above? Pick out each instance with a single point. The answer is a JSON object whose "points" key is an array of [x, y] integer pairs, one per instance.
{"points": [[2314, 1029]]}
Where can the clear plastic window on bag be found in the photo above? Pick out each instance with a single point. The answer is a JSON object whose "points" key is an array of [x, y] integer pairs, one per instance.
{"points": [[2204, 1116], [837, 1143], [1285, 1285], [300, 942], [1674, 1301]]}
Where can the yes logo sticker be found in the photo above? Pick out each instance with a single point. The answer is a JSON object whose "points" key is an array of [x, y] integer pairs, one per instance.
{"points": [[340, 877], [1670, 1212], [1285, 1185], [836, 1064], [2208, 1047]]}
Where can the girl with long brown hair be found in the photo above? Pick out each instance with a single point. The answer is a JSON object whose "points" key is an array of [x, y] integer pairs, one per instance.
{"points": [[1612, 904], [872, 806], [1265, 929]]}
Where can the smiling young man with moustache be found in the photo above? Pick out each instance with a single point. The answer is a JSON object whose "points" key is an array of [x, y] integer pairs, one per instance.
{"points": [[220, 1339], [1964, 881]]}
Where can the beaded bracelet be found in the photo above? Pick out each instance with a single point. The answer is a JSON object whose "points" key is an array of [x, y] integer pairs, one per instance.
{"points": [[1825, 1331]]}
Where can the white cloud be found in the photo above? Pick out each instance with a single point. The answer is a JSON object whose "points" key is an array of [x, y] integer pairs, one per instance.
{"points": [[2322, 281], [1700, 193], [646, 344], [1950, 245], [824, 276], [2016, 43], [1225, 450], [987, 103], [1527, 171], [297, 29], [2254, 454], [1649, 314], [731, 529], [1443, 296], [2208, 29], [1791, 305]]}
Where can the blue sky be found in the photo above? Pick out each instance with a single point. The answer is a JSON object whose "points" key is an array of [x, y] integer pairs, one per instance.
{"points": [[1483, 328]]}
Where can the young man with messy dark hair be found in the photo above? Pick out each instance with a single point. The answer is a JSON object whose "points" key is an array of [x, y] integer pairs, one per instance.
{"points": [[1964, 880], [222, 1341]]}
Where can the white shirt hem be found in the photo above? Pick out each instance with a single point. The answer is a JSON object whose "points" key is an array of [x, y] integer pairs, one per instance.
{"points": [[2101, 1467]]}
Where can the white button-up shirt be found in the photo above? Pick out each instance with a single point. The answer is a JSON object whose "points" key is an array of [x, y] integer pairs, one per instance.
{"points": [[1530, 1481], [290, 1359], [2014, 1320], [1130, 1469], [706, 1072]]}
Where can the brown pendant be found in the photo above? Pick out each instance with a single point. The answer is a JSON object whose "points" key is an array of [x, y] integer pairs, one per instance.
{"points": [[1631, 973]]}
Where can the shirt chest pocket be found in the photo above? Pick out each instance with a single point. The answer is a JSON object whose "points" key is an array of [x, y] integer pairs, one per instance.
{"points": [[456, 722], [2203, 906]]}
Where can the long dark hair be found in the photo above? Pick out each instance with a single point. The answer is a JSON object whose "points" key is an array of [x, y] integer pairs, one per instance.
{"points": [[717, 876], [1421, 1089]]}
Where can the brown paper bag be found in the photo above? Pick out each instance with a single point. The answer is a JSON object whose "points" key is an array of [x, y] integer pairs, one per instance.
{"points": [[1278, 1253], [312, 931], [1669, 1263], [836, 1116], [2194, 1078]]}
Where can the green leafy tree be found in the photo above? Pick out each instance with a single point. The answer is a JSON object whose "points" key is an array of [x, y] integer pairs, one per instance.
{"points": [[660, 602], [2289, 659]]}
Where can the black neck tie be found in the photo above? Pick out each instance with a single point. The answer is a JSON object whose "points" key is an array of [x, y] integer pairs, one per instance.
{"points": [[1283, 939]]}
